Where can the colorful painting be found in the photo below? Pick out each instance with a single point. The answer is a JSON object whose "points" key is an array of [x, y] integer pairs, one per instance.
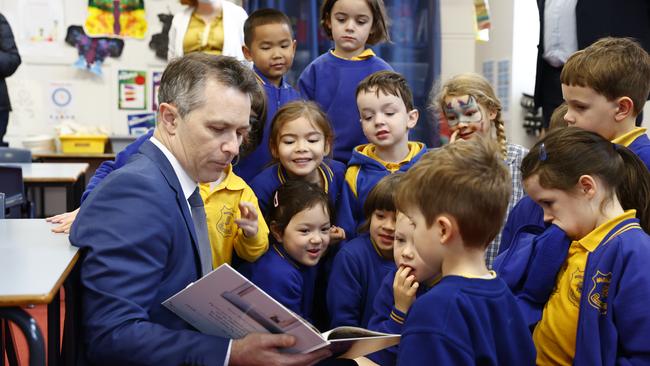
{"points": [[123, 18], [132, 89]]}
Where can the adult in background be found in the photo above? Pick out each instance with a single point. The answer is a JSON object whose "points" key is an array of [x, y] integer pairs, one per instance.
{"points": [[570, 25], [9, 62], [143, 235], [211, 26]]}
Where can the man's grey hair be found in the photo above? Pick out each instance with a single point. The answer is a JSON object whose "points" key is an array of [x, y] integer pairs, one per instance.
{"points": [[183, 81]]}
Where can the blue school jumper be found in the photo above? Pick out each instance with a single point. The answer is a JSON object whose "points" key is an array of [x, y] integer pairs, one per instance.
{"points": [[613, 322], [355, 277], [120, 159], [387, 319], [284, 279], [270, 179], [362, 175], [252, 164], [466, 321], [331, 82]]}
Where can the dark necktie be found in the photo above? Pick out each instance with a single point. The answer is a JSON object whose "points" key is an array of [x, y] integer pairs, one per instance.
{"points": [[201, 229]]}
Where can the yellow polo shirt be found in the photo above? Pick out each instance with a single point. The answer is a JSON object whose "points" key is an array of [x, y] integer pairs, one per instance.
{"points": [[221, 210]]}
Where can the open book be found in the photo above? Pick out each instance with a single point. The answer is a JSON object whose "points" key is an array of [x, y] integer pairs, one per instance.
{"points": [[225, 303]]}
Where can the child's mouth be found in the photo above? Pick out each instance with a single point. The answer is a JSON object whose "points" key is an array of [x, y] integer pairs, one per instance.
{"points": [[314, 253]]}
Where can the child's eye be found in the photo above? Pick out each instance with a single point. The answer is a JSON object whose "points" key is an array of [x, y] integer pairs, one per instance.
{"points": [[470, 113], [340, 19], [313, 140], [304, 231], [367, 117], [288, 142], [451, 117]]}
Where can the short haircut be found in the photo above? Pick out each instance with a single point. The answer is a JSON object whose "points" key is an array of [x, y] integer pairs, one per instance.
{"points": [[257, 121], [293, 197], [614, 68], [379, 30], [294, 110], [389, 83], [467, 180], [381, 197], [263, 17], [183, 81], [557, 118]]}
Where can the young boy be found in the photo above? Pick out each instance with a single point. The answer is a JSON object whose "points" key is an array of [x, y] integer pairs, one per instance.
{"points": [[269, 44], [456, 198], [361, 264], [385, 104]]}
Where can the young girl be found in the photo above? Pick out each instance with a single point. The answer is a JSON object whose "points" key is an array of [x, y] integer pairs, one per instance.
{"points": [[468, 103], [598, 193], [399, 289], [300, 228], [362, 263], [332, 78], [300, 138]]}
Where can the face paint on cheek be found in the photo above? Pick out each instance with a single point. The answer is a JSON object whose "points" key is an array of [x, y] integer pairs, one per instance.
{"points": [[457, 111]]}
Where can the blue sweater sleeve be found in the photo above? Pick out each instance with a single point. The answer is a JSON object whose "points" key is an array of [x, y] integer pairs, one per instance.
{"points": [[283, 286], [525, 212], [345, 292], [387, 319], [345, 218], [439, 351], [306, 82], [120, 160]]}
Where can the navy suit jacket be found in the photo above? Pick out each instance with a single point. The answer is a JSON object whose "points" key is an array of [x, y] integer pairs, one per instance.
{"points": [[140, 248]]}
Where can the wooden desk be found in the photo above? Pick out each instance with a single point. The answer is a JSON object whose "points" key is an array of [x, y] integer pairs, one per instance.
{"points": [[68, 175], [34, 263]]}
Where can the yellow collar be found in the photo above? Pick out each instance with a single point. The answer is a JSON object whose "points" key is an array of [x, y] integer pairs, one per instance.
{"points": [[366, 54], [321, 168], [595, 237], [629, 137], [231, 182], [414, 149]]}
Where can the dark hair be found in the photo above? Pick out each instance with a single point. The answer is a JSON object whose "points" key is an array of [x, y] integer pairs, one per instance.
{"points": [[183, 82], [389, 83], [381, 197], [291, 198], [380, 22], [467, 180], [257, 121], [566, 154], [263, 17]]}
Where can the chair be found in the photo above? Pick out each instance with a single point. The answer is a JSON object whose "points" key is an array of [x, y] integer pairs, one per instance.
{"points": [[11, 184], [13, 155]]}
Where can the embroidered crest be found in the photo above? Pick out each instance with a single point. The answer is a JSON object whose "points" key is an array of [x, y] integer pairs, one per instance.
{"points": [[226, 219], [600, 291], [575, 287]]}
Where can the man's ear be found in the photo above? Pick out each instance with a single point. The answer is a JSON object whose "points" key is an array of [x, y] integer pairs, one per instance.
{"points": [[168, 118], [275, 231], [445, 227], [413, 114], [247, 53], [624, 108], [587, 185]]}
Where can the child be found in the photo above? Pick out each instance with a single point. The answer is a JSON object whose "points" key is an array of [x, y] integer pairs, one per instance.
{"points": [[300, 138], [399, 289], [269, 44], [471, 108], [232, 211], [331, 79], [385, 103], [300, 225], [598, 194], [361, 264], [456, 198]]}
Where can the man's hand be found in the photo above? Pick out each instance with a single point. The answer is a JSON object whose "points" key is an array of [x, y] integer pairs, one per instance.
{"points": [[65, 220], [263, 349], [248, 221], [404, 289]]}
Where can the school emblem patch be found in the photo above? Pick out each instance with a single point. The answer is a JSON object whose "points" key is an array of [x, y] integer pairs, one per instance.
{"points": [[600, 290], [226, 219], [575, 287]]}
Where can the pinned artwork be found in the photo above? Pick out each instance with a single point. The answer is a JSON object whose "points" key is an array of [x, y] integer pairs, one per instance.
{"points": [[160, 41], [92, 50], [140, 123], [122, 18], [483, 25], [155, 85], [132, 89]]}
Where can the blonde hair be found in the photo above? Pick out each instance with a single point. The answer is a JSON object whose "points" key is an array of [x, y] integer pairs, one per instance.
{"points": [[478, 87], [467, 180], [557, 118]]}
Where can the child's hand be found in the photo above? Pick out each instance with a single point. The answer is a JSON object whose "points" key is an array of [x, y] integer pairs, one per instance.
{"points": [[65, 220], [404, 288], [337, 235], [248, 220], [454, 136]]}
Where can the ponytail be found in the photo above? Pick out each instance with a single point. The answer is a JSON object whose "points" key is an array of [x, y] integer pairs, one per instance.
{"points": [[634, 190]]}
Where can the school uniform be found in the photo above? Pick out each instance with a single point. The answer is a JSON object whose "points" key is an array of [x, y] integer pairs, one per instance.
{"points": [[598, 314], [364, 170], [637, 141], [331, 81], [276, 96], [287, 281], [270, 179], [466, 321], [356, 275], [387, 319]]}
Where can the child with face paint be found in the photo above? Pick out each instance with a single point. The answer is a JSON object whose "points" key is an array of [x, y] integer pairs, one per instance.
{"points": [[330, 80], [471, 108]]}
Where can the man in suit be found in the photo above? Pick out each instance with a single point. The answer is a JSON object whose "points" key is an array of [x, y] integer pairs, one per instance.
{"points": [[141, 243], [585, 21]]}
